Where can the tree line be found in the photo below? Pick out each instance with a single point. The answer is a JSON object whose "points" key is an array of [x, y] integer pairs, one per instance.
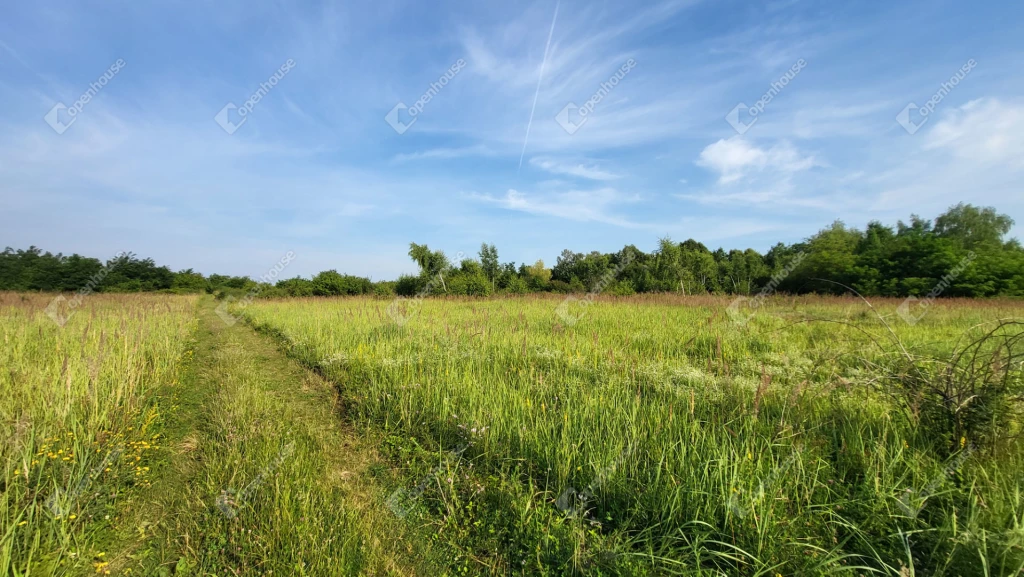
{"points": [[964, 250]]}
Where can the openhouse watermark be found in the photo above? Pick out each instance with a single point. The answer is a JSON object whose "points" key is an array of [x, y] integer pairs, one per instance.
{"points": [[61, 501], [574, 503], [70, 113], [414, 111], [748, 120], [564, 117], [402, 500], [913, 122], [572, 309], [913, 309], [402, 309], [223, 117], [735, 308], [268, 277], [913, 501], [736, 496], [229, 501], [60, 309]]}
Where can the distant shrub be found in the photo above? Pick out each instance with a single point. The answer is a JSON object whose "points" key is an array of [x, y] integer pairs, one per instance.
{"points": [[384, 289], [517, 286], [560, 286], [297, 287], [408, 285], [622, 289], [475, 284], [331, 283]]}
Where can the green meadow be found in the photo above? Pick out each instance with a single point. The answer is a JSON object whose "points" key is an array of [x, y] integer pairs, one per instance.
{"points": [[644, 435]]}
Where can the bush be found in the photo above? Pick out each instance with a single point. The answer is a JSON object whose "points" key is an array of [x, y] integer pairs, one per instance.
{"points": [[469, 285], [560, 286], [973, 399], [384, 289], [296, 287], [622, 288], [517, 286], [331, 283], [408, 285]]}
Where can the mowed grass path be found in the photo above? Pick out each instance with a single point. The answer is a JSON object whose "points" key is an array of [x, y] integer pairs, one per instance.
{"points": [[266, 479], [148, 437]]}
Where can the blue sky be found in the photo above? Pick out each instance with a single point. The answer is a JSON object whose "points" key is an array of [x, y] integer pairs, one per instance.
{"points": [[316, 168]]}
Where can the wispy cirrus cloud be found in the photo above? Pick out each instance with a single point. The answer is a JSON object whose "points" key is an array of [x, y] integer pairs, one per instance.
{"points": [[446, 153], [578, 205], [581, 169]]}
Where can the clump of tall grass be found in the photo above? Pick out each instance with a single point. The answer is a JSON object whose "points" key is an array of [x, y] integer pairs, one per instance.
{"points": [[973, 397], [78, 422]]}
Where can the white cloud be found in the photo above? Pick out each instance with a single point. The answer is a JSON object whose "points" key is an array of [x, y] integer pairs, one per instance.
{"points": [[735, 157], [573, 168], [984, 132], [578, 205], [446, 153]]}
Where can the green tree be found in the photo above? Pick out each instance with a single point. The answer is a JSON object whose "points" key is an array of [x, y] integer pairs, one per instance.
{"points": [[972, 227], [489, 262]]}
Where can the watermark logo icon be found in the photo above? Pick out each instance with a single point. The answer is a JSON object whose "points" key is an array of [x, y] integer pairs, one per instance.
{"points": [[392, 119], [913, 309], [571, 309], [912, 502], [60, 309], [565, 309], [753, 112], [740, 314], [53, 117], [563, 117], [222, 311], [913, 122], [574, 503], [222, 118], [60, 501], [403, 309], [741, 509], [742, 308], [903, 118], [417, 107], [912, 316], [401, 501], [733, 118], [55, 310], [229, 501]]}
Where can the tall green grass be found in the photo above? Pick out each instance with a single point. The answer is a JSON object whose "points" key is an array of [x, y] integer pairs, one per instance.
{"points": [[754, 449], [79, 423]]}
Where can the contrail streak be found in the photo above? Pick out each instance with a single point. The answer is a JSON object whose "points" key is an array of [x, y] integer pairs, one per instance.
{"points": [[539, 80]]}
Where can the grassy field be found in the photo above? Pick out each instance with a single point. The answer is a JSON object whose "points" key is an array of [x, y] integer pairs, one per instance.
{"points": [[660, 435], [635, 436], [81, 409]]}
